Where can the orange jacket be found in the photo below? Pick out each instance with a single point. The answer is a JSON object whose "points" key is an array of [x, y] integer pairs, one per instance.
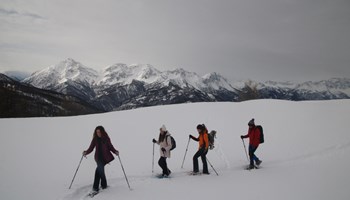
{"points": [[203, 140]]}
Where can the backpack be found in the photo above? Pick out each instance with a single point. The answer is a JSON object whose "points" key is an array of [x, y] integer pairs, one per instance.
{"points": [[173, 142], [261, 133], [211, 138]]}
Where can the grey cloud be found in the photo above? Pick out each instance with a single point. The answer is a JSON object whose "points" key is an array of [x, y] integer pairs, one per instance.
{"points": [[11, 12]]}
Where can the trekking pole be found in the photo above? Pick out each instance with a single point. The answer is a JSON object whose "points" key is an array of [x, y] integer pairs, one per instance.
{"points": [[245, 149], [76, 171], [153, 160], [212, 167], [126, 178], [182, 166]]}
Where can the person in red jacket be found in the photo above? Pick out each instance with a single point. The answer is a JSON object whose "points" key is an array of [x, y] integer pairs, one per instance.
{"points": [[103, 155], [254, 141], [202, 149]]}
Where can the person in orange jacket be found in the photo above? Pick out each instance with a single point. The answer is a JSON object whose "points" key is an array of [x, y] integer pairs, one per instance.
{"points": [[202, 150]]}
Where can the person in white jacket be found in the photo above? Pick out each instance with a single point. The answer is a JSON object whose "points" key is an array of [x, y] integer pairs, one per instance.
{"points": [[164, 142]]}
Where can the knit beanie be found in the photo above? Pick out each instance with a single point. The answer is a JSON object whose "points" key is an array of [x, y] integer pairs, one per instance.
{"points": [[251, 122], [163, 128]]}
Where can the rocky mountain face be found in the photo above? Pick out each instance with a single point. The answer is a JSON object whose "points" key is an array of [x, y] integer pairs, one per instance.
{"points": [[122, 86]]}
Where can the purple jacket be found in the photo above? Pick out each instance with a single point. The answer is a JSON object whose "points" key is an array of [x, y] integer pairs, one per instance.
{"points": [[105, 148]]}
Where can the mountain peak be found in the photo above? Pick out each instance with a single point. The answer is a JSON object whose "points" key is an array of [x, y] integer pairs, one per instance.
{"points": [[216, 81], [66, 70], [124, 74]]}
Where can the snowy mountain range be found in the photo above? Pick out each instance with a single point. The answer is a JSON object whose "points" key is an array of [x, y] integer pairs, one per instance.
{"points": [[121, 86]]}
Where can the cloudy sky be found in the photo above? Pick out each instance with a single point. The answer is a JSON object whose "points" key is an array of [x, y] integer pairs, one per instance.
{"points": [[278, 40]]}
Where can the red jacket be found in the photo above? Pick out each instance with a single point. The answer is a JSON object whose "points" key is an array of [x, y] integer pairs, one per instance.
{"points": [[106, 148], [254, 136]]}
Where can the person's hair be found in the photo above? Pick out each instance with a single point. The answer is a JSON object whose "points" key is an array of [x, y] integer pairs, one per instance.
{"points": [[162, 136], [102, 130], [202, 128]]}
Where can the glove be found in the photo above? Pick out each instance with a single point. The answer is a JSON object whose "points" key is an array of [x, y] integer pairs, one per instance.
{"points": [[190, 136], [163, 149], [84, 153], [242, 136], [154, 141], [117, 153]]}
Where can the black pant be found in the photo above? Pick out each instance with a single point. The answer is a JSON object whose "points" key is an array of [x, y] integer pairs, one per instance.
{"points": [[200, 153], [162, 163], [100, 176]]}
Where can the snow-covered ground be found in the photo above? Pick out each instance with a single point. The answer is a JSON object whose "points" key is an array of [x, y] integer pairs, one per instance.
{"points": [[305, 155]]}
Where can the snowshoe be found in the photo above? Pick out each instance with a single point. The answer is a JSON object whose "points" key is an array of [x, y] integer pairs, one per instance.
{"points": [[93, 193], [195, 173], [250, 167], [162, 176]]}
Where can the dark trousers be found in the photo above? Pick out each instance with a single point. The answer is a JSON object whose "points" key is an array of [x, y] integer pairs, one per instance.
{"points": [[162, 163], [252, 155], [100, 176], [200, 153]]}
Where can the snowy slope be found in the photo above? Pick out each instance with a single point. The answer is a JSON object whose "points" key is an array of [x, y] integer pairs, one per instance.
{"points": [[305, 155]]}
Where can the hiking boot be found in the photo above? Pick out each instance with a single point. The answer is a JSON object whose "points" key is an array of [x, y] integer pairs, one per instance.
{"points": [[250, 167], [103, 188], [258, 162]]}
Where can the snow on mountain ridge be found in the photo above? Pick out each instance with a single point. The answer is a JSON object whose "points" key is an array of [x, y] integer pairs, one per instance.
{"points": [[216, 81], [124, 74], [184, 78], [70, 71], [61, 73]]}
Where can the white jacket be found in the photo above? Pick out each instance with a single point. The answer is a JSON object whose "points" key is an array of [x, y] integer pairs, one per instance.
{"points": [[166, 144]]}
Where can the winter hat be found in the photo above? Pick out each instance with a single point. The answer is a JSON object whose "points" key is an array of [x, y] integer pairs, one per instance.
{"points": [[163, 128], [251, 122]]}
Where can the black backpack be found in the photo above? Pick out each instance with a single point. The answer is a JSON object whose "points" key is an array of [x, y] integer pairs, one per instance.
{"points": [[173, 142], [261, 133], [211, 138]]}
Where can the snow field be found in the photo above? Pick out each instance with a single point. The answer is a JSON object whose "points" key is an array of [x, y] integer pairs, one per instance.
{"points": [[305, 154]]}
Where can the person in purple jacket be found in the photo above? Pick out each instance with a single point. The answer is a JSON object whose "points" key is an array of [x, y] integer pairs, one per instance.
{"points": [[103, 155]]}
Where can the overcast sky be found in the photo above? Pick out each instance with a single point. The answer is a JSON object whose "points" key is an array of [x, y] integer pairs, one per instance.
{"points": [[280, 40]]}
